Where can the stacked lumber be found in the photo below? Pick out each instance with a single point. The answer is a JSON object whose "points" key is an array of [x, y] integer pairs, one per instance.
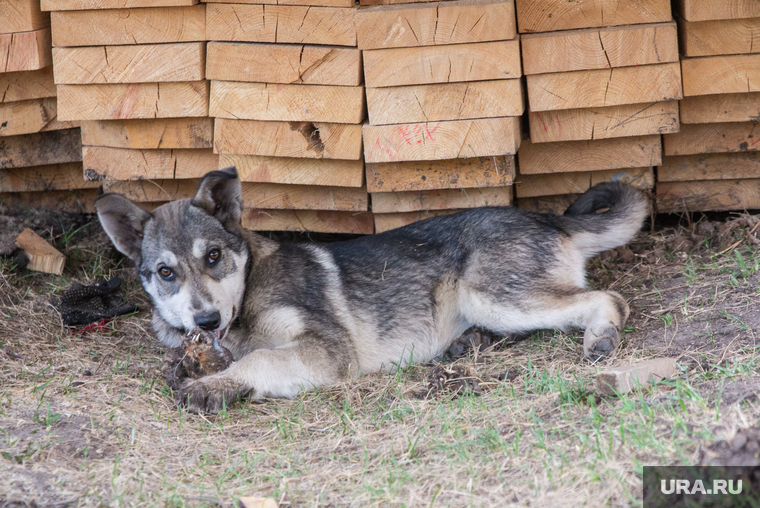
{"points": [[444, 102], [713, 162], [40, 156], [287, 98], [133, 73], [603, 83]]}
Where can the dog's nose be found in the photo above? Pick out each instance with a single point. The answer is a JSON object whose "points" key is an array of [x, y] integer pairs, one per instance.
{"points": [[209, 321]]}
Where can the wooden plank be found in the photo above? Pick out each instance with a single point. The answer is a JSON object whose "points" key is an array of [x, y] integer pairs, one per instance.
{"points": [[113, 27], [86, 5], [703, 10], [41, 149], [713, 195], [547, 204], [387, 221], [604, 123], [553, 184], [144, 191], [292, 24], [134, 100], [150, 134], [730, 107], [442, 64], [27, 117], [447, 101], [318, 221], [716, 166], [26, 85], [102, 163], [623, 379], [276, 63], [441, 140], [265, 196], [75, 201], [599, 48], [435, 24], [314, 3], [287, 103], [718, 37], [440, 199], [721, 74], [713, 138], [288, 139], [142, 63], [605, 87], [288, 170], [42, 256], [460, 173], [615, 153], [22, 16], [552, 15], [25, 51], [45, 178]]}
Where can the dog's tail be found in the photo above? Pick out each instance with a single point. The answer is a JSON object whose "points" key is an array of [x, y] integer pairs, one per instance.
{"points": [[594, 230]]}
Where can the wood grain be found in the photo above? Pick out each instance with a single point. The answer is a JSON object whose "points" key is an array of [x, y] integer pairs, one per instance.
{"points": [[679, 197], [27, 117], [45, 178], [713, 138], [150, 134], [703, 10], [22, 16], [552, 184], [552, 15], [715, 166], [318, 221], [25, 51], [721, 74], [86, 5], [288, 170], [719, 37], [102, 163], [74, 201], [440, 199], [26, 85], [41, 149], [730, 107]]}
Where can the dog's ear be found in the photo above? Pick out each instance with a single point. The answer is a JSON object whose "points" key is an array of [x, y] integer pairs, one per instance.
{"points": [[220, 194], [123, 222]]}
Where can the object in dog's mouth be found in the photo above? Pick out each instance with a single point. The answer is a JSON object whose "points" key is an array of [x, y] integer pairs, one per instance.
{"points": [[200, 355]]}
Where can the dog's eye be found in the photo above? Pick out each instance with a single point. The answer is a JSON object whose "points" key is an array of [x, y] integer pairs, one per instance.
{"points": [[214, 255], [165, 273]]}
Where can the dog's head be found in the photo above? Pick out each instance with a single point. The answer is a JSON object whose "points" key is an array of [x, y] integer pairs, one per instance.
{"points": [[190, 254]]}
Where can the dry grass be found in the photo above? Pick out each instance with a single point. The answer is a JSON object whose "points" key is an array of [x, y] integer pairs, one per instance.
{"points": [[87, 420]]}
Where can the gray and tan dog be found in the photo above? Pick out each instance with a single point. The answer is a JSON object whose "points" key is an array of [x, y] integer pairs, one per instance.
{"points": [[298, 316]]}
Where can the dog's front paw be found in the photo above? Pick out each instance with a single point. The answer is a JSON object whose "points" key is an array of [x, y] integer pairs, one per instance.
{"points": [[601, 344], [208, 394]]}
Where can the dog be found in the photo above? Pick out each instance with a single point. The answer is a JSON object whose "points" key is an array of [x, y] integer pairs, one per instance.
{"points": [[297, 316]]}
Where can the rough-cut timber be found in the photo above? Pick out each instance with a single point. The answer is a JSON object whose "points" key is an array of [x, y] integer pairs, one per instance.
{"points": [[22, 16], [86, 5], [135, 100], [277, 63], [441, 140], [150, 134], [713, 138], [45, 178], [435, 24], [642, 178], [53, 147], [388, 221], [719, 37], [125, 164], [304, 197], [721, 74], [294, 24], [313, 3], [730, 107], [599, 48], [75, 201], [26, 51], [703, 10], [319, 221], [442, 64], [623, 379], [287, 103], [112, 27], [440, 199], [288, 139], [715, 166], [535, 158], [448, 101], [472, 172], [708, 195], [142, 63], [288, 170], [148, 191], [549, 184], [552, 15], [605, 87], [603, 123], [42, 256], [26, 85], [547, 204], [27, 117]]}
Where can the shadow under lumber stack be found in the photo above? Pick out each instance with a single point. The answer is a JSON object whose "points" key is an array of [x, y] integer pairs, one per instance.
{"points": [[444, 103], [40, 156], [288, 103], [603, 81], [714, 162], [134, 77]]}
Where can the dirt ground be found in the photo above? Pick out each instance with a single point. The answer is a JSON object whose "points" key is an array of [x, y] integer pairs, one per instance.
{"points": [[87, 419]]}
